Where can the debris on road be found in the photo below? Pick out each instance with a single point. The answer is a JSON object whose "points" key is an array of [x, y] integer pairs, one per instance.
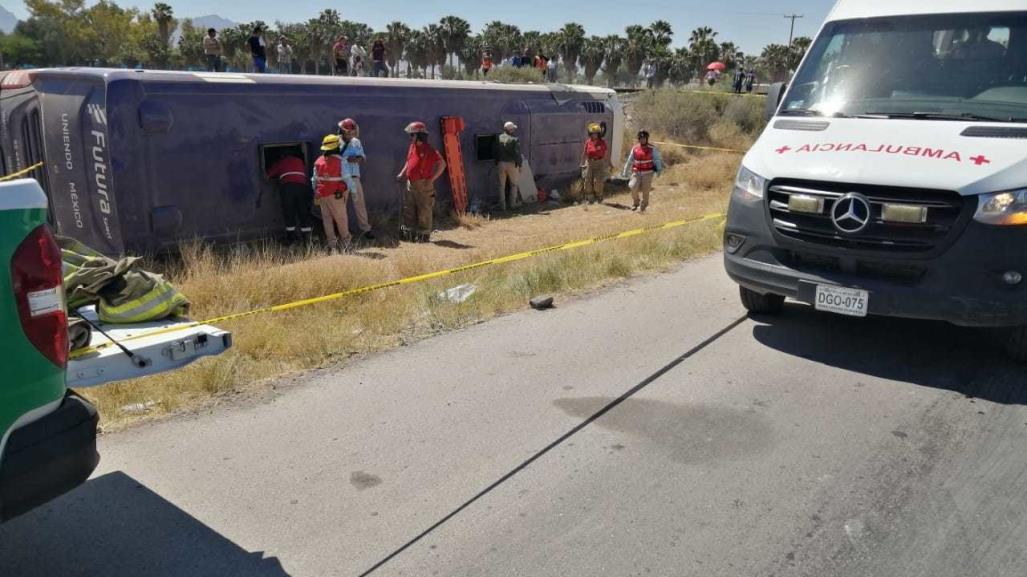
{"points": [[541, 303], [459, 293]]}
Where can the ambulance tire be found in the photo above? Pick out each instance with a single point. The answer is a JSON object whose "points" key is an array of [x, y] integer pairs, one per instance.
{"points": [[1016, 344], [761, 304]]}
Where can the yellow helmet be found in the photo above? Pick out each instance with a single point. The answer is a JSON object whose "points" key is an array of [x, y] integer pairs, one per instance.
{"points": [[330, 142], [594, 128]]}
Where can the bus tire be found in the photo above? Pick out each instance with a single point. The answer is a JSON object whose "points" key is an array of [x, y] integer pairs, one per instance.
{"points": [[1016, 344]]}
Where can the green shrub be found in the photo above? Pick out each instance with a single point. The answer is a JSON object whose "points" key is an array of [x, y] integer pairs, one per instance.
{"points": [[693, 117], [510, 75]]}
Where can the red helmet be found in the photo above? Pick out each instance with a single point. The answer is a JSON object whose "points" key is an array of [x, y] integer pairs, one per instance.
{"points": [[348, 124], [416, 127]]}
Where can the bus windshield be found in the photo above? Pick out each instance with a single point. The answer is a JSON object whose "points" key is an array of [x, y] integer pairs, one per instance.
{"points": [[958, 67]]}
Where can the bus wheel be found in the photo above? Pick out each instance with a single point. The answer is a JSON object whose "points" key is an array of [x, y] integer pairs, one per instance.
{"points": [[1016, 344], [761, 304]]}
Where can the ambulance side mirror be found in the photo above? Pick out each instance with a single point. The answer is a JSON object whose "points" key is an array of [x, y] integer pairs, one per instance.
{"points": [[774, 96]]}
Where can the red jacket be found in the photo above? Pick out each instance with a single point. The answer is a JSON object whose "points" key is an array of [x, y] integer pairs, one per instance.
{"points": [[595, 149], [328, 171], [289, 170], [421, 161], [642, 159]]}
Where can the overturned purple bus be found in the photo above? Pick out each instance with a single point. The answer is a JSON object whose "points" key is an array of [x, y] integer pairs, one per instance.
{"points": [[139, 161]]}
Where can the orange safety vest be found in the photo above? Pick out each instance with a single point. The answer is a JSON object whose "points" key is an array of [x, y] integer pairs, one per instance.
{"points": [[329, 175], [642, 159]]}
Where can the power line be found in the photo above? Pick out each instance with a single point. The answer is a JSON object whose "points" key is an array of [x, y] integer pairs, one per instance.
{"points": [[791, 30]]}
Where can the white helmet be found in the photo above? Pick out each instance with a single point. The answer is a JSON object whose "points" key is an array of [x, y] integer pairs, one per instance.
{"points": [[510, 126]]}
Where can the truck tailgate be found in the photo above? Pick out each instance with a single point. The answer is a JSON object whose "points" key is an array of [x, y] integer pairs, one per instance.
{"points": [[163, 350]]}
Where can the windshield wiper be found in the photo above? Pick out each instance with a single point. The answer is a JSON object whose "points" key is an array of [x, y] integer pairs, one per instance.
{"points": [[963, 116], [811, 112]]}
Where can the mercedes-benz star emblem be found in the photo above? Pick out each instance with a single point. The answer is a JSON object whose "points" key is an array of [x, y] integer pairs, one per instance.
{"points": [[851, 213]]}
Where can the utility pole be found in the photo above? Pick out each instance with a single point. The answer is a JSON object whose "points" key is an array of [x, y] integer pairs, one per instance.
{"points": [[791, 31]]}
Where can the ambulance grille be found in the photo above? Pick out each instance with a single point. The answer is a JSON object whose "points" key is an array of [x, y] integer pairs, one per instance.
{"points": [[947, 215]]}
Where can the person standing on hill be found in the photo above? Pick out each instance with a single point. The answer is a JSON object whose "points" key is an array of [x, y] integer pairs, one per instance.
{"points": [[353, 156], [595, 164], [341, 50], [212, 50], [423, 167], [508, 165], [378, 53], [643, 164], [284, 56], [486, 63], [294, 191], [258, 49], [739, 81], [332, 190], [750, 81], [359, 59]]}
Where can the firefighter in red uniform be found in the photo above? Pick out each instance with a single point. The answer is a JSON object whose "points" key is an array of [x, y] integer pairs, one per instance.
{"points": [[423, 167], [290, 171], [595, 164], [332, 193], [643, 164]]}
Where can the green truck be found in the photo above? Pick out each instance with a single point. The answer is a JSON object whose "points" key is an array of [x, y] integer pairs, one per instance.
{"points": [[47, 431]]}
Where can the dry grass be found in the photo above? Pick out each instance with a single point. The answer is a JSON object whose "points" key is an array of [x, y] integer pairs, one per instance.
{"points": [[270, 346]]}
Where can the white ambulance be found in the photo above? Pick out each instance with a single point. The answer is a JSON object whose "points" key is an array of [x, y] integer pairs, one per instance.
{"points": [[892, 176]]}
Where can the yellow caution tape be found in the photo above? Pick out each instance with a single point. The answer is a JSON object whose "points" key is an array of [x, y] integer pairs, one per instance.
{"points": [[405, 281], [700, 147], [21, 172]]}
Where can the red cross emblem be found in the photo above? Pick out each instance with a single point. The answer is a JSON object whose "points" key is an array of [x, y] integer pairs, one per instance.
{"points": [[980, 159], [782, 150]]}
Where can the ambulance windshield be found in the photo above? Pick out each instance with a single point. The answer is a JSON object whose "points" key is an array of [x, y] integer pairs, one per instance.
{"points": [[948, 67]]}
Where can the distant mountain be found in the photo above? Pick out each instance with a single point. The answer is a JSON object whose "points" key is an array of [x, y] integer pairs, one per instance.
{"points": [[213, 21], [7, 21], [204, 22]]}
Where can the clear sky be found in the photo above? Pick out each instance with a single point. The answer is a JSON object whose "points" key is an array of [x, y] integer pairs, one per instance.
{"points": [[749, 23]]}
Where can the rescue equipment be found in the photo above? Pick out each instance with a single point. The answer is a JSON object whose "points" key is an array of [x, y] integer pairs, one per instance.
{"points": [[452, 126], [122, 292]]}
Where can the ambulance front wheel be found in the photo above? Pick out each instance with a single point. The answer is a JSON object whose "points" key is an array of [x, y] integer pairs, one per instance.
{"points": [[761, 304]]}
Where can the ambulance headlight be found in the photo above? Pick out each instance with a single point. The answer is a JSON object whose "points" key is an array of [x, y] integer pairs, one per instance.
{"points": [[749, 186], [1003, 208]]}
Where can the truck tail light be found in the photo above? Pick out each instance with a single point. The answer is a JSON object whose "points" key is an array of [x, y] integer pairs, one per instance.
{"points": [[38, 290]]}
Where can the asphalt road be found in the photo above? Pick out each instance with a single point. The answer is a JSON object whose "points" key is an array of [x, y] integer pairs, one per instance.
{"points": [[806, 444]]}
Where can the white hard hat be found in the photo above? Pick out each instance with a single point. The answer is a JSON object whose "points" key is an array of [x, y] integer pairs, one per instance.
{"points": [[509, 126]]}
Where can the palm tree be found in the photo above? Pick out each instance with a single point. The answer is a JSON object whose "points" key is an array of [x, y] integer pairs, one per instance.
{"points": [[164, 16], [662, 33], [502, 39], [396, 36], [681, 67], [455, 32], [638, 48], [729, 54], [798, 49], [572, 40], [436, 44], [532, 40], [416, 52], [470, 56], [593, 52], [702, 44], [775, 59], [357, 32], [615, 47]]}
